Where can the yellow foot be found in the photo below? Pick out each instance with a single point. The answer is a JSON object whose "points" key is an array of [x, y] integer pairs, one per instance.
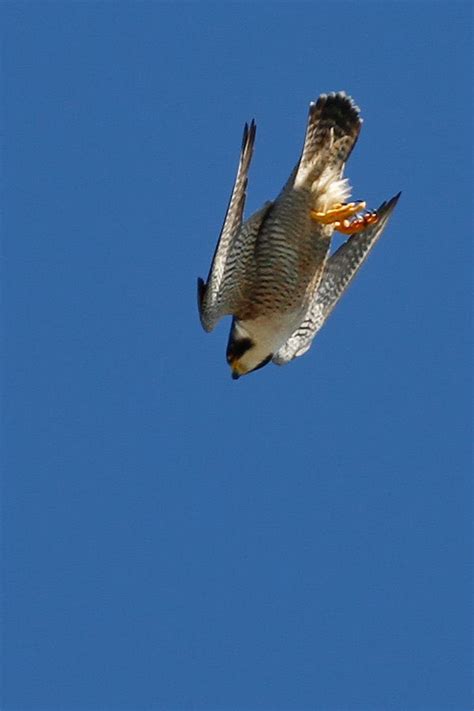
{"points": [[337, 213], [350, 227]]}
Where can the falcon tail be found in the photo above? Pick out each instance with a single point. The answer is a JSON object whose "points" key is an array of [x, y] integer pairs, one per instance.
{"points": [[333, 128]]}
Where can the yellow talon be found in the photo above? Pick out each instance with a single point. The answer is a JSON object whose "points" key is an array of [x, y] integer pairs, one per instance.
{"points": [[338, 216], [350, 227], [338, 213]]}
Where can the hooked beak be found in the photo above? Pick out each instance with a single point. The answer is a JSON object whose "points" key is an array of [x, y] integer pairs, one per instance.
{"points": [[237, 369]]}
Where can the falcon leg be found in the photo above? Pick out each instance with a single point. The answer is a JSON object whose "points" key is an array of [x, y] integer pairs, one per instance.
{"points": [[350, 227], [339, 215]]}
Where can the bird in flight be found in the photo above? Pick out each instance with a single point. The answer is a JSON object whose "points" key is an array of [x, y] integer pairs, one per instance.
{"points": [[273, 273]]}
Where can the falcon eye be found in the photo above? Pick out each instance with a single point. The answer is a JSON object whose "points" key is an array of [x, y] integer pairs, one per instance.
{"points": [[236, 349]]}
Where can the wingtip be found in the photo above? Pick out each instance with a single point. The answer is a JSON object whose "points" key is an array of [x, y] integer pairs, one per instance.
{"points": [[250, 131], [388, 206], [201, 290], [245, 135]]}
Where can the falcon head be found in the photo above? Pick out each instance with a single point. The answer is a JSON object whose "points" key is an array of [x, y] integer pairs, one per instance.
{"points": [[244, 353]]}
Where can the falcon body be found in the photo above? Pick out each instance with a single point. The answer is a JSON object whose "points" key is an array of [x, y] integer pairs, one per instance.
{"points": [[273, 272]]}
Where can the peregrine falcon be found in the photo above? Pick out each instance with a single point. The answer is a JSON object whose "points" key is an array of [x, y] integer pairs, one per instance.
{"points": [[274, 273]]}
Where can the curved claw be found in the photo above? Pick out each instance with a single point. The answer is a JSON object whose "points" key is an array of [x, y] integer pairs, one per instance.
{"points": [[338, 216], [350, 227], [338, 213]]}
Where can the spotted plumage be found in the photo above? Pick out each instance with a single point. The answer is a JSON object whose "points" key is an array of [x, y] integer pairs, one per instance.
{"points": [[273, 272]]}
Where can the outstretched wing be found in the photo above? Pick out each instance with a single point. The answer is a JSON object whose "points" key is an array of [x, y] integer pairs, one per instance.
{"points": [[213, 296], [339, 271]]}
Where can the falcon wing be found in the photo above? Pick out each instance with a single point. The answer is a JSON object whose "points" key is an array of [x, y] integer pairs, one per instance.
{"points": [[214, 297], [340, 270]]}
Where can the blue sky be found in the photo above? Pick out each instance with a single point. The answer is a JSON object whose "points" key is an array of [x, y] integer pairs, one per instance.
{"points": [[174, 540]]}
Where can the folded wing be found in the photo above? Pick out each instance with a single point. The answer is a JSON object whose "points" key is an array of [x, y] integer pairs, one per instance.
{"points": [[215, 297], [339, 271]]}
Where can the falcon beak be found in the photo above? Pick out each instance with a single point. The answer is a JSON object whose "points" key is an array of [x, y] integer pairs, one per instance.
{"points": [[237, 369]]}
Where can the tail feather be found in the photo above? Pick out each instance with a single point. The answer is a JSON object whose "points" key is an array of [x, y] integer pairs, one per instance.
{"points": [[333, 128]]}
